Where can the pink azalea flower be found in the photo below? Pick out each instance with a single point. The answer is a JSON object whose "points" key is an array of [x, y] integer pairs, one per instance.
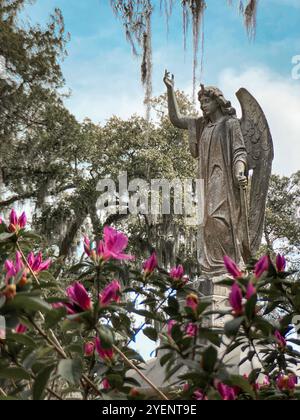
{"points": [[37, 264], [151, 264], [105, 354], [112, 247], [227, 393], [21, 329], [281, 341], [111, 293], [13, 269], [89, 349], [192, 330], [192, 301], [262, 266], [115, 243], [280, 263], [236, 299], [232, 268], [79, 296], [171, 324], [287, 382], [177, 272], [17, 223]]}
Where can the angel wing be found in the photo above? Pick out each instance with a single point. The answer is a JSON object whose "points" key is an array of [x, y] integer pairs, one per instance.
{"points": [[260, 150]]}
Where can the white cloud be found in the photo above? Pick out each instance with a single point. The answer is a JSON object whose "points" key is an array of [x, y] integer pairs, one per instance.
{"points": [[280, 100]]}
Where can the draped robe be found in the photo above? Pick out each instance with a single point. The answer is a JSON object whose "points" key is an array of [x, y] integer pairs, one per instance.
{"points": [[218, 147]]}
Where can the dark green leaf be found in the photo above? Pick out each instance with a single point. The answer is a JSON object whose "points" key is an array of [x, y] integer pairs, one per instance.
{"points": [[14, 373], [41, 382], [151, 333], [232, 327]]}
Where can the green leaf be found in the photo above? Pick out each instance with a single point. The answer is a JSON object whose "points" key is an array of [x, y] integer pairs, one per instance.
{"points": [[70, 370], [250, 307], [232, 327], [115, 380], [174, 304], [53, 317], [165, 358], [106, 337], [22, 339], [31, 235], [14, 373], [133, 355], [176, 333], [210, 336], [209, 359], [41, 382], [27, 303], [6, 236], [151, 333]]}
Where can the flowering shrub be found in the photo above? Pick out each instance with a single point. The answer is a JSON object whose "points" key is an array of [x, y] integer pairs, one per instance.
{"points": [[72, 335]]}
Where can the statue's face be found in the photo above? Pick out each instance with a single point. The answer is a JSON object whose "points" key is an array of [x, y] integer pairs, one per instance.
{"points": [[208, 105]]}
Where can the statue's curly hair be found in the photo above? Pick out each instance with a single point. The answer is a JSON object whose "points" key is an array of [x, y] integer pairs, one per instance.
{"points": [[217, 94]]}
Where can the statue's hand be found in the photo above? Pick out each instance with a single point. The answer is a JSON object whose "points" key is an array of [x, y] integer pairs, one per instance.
{"points": [[169, 80], [241, 179]]}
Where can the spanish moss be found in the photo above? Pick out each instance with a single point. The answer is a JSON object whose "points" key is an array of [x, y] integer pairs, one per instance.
{"points": [[136, 16], [250, 17]]}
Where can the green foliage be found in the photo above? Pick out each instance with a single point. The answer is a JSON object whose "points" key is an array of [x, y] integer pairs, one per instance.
{"points": [[51, 352]]}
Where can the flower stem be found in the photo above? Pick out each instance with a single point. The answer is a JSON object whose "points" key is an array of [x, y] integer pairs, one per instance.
{"points": [[130, 364]]}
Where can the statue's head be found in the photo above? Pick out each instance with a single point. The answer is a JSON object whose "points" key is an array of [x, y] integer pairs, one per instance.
{"points": [[211, 99]]}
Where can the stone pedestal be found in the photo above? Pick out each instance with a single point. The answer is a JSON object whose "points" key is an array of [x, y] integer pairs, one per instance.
{"points": [[217, 295]]}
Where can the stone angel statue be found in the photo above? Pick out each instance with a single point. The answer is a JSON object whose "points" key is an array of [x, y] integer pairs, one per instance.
{"points": [[235, 163]]}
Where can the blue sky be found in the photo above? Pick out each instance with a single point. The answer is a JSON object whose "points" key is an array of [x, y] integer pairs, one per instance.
{"points": [[104, 77]]}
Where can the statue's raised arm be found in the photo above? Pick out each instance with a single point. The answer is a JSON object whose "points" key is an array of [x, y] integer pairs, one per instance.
{"points": [[174, 113]]}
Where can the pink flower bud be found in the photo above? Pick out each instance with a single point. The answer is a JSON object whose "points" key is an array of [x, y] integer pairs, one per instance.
{"points": [[280, 263], [89, 349], [177, 272], [262, 266], [192, 330], [236, 299], [281, 341], [287, 382], [151, 264], [192, 301], [232, 268], [21, 329]]}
